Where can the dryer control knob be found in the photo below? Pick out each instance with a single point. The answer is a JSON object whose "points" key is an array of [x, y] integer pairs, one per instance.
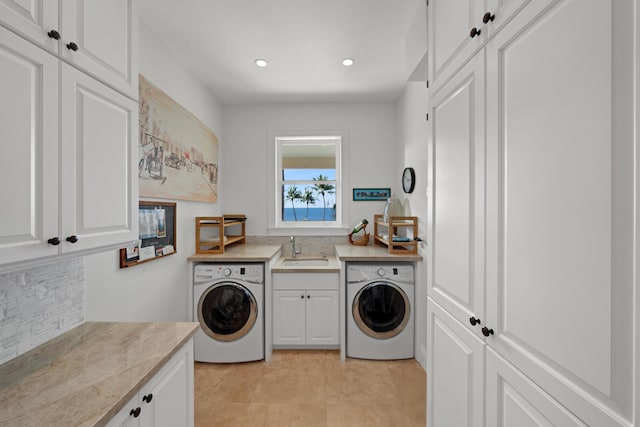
{"points": [[380, 272], [227, 272]]}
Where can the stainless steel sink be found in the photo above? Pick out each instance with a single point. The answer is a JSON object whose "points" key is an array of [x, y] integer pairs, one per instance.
{"points": [[305, 262]]}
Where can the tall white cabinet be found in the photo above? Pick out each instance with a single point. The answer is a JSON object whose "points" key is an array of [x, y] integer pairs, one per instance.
{"points": [[68, 127], [531, 291]]}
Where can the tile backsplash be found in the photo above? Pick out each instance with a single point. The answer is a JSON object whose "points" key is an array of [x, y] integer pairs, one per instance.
{"points": [[39, 304], [308, 245]]}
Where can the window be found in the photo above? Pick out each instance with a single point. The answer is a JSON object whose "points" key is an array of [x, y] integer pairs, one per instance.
{"points": [[308, 185]]}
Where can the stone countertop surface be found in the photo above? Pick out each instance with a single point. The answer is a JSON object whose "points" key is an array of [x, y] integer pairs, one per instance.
{"points": [[371, 253], [86, 376], [240, 253]]}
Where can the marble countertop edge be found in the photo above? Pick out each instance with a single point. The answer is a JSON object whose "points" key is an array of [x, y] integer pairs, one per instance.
{"points": [[87, 375]]}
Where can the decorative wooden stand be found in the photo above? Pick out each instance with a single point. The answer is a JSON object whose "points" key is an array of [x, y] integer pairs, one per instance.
{"points": [[390, 228], [217, 236]]}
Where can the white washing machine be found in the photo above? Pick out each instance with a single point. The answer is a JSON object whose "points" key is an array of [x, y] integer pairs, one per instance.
{"points": [[228, 302], [380, 311]]}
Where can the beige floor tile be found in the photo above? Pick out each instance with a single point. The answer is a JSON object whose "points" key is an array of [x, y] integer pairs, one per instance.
{"points": [[236, 383], [361, 382], [297, 415], [220, 414], [366, 415], [291, 385], [310, 388]]}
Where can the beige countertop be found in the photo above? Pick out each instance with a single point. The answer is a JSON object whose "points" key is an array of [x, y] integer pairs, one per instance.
{"points": [[371, 253], [85, 376], [240, 253]]}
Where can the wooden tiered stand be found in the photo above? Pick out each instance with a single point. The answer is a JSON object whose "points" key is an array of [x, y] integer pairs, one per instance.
{"points": [[390, 228], [221, 231]]}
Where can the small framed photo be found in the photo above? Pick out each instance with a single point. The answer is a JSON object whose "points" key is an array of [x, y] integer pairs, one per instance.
{"points": [[369, 194]]}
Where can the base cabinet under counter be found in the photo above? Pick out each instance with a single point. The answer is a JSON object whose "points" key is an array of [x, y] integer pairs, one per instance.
{"points": [[166, 400], [306, 310]]}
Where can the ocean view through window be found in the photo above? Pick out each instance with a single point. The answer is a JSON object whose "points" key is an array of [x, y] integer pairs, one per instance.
{"points": [[308, 181]]}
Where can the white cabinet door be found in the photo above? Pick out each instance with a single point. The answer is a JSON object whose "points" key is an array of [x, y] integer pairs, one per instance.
{"points": [[450, 43], [499, 12], [514, 400], [29, 140], [322, 318], [167, 400], [98, 170], [125, 418], [455, 366], [560, 210], [289, 317], [33, 19], [105, 34], [456, 280]]}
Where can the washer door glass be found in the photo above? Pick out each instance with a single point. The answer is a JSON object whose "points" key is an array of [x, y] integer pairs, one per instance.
{"points": [[381, 310], [227, 311]]}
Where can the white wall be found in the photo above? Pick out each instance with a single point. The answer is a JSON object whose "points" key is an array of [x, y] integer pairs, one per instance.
{"points": [[372, 151], [156, 290], [413, 137]]}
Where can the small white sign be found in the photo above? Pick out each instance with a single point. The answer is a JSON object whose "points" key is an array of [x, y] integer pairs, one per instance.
{"points": [[147, 252], [167, 250]]}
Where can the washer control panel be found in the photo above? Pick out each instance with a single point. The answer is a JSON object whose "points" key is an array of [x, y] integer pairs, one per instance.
{"points": [[368, 272], [252, 273]]}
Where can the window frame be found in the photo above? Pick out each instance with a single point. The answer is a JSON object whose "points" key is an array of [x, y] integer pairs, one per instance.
{"points": [[276, 226]]}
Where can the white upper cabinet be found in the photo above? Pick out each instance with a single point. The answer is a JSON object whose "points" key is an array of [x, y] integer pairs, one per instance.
{"points": [[459, 28], [100, 37], [499, 12], [450, 41], [29, 140], [69, 141], [98, 163], [36, 20], [97, 36], [560, 191], [456, 280], [534, 185]]}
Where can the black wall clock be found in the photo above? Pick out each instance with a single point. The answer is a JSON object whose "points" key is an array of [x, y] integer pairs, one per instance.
{"points": [[408, 180]]}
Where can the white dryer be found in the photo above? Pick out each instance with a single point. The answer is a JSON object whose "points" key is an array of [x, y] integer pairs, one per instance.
{"points": [[228, 302], [380, 300]]}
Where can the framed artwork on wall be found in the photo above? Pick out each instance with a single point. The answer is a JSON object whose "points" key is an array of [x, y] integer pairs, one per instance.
{"points": [[178, 154], [371, 194]]}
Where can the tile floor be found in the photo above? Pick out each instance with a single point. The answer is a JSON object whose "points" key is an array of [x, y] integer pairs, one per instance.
{"points": [[311, 388]]}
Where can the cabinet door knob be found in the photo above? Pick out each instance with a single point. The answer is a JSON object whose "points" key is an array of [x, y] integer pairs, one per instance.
{"points": [[147, 398], [474, 32], [72, 46], [72, 239], [135, 412], [54, 241], [486, 331], [302, 296], [488, 17], [474, 321], [54, 35], [308, 296]]}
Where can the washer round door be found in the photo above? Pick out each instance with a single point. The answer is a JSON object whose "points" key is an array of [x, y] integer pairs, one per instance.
{"points": [[227, 311], [381, 310]]}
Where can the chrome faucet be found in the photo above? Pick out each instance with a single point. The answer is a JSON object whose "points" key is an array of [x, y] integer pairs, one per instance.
{"points": [[294, 251]]}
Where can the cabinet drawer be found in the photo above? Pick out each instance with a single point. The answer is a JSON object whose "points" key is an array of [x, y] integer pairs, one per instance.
{"points": [[296, 281]]}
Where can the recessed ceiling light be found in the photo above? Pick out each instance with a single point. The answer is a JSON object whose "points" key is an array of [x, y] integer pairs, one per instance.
{"points": [[347, 62], [261, 62]]}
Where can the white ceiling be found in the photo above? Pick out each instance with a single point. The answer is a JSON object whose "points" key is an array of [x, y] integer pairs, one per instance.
{"points": [[303, 40]]}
